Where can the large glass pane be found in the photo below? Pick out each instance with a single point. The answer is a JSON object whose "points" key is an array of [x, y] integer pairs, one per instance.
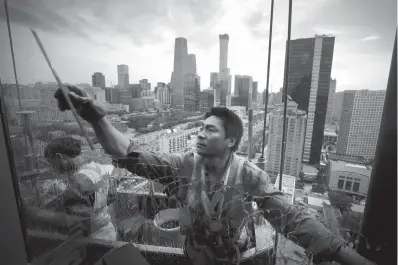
{"points": [[157, 67]]}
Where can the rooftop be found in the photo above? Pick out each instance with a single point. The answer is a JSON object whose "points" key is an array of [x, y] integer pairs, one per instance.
{"points": [[347, 158], [330, 133]]}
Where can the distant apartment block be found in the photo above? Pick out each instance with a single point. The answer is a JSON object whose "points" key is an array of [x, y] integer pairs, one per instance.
{"points": [[329, 137], [296, 122], [360, 122], [348, 174], [163, 94]]}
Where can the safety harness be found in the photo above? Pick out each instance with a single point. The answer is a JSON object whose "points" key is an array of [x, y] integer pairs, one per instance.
{"points": [[215, 228]]}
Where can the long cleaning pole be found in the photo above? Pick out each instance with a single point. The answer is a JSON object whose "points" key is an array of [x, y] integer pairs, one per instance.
{"points": [[63, 89]]}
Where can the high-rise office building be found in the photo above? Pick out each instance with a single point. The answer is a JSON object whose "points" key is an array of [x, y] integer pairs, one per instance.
{"points": [[337, 105], [332, 91], [177, 77], [296, 123], [360, 122], [98, 80], [191, 92], [122, 76], [136, 90], [244, 89], [190, 64], [206, 100], [213, 80], [224, 76], [145, 85], [309, 81]]}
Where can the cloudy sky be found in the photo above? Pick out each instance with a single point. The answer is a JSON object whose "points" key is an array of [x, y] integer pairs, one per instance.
{"points": [[82, 37]]}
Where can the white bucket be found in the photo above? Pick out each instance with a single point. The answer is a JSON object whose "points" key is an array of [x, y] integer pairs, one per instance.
{"points": [[169, 236]]}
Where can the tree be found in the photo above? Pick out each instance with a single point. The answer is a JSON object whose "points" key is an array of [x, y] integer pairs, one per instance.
{"points": [[301, 176], [340, 200]]}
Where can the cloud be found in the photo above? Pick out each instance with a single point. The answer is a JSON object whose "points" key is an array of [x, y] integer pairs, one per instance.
{"points": [[142, 21], [327, 31], [371, 38]]}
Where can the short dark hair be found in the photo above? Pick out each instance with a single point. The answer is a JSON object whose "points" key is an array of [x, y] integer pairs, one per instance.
{"points": [[232, 123], [67, 146]]}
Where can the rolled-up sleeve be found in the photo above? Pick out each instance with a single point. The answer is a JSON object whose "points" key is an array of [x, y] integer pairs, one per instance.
{"points": [[162, 167], [294, 223]]}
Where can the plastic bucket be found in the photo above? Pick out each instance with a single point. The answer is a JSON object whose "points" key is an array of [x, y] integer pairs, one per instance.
{"points": [[167, 223]]}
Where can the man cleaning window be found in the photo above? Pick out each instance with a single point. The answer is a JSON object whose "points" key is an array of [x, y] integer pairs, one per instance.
{"points": [[212, 185]]}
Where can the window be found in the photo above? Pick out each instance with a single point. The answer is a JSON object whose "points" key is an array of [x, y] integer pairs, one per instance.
{"points": [[340, 184], [348, 185], [356, 187], [147, 56]]}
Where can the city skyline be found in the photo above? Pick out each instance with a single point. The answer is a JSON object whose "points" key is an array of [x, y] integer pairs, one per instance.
{"points": [[361, 37]]}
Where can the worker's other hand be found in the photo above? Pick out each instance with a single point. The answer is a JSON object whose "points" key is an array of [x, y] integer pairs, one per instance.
{"points": [[85, 106]]}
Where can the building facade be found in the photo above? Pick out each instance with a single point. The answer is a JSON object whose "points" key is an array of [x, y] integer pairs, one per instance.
{"points": [[296, 122], [351, 176], [360, 122], [332, 91], [206, 100], [122, 76], [177, 77], [163, 94], [213, 79], [98, 80], [244, 89], [337, 106], [191, 92], [145, 85], [224, 76], [309, 81]]}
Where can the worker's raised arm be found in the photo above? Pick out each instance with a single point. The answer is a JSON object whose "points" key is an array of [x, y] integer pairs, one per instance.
{"points": [[158, 166]]}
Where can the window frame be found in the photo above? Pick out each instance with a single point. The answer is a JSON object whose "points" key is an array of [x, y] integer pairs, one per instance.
{"points": [[14, 249]]}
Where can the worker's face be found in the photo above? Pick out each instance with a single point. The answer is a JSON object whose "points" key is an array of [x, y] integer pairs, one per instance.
{"points": [[211, 139], [62, 164]]}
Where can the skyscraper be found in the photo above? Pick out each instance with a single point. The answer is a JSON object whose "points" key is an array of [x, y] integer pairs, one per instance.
{"points": [[122, 76], [244, 89], [177, 77], [98, 80], [296, 123], [224, 76], [332, 90], [360, 122], [309, 80]]}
